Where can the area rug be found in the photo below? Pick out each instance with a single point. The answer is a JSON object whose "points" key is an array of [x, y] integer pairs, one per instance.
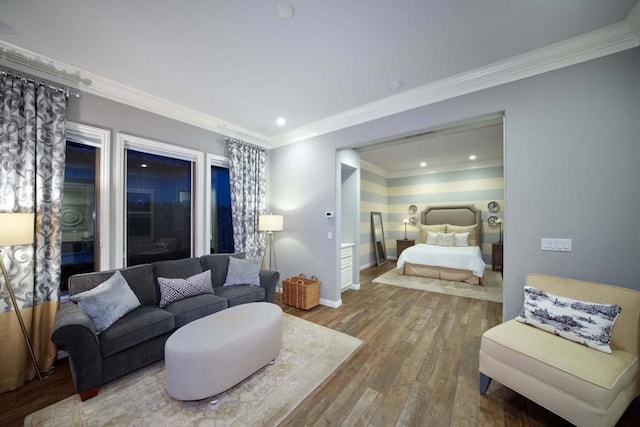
{"points": [[491, 291], [310, 353]]}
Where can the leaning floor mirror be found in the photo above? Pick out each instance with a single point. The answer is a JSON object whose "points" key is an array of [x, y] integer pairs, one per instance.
{"points": [[377, 234]]}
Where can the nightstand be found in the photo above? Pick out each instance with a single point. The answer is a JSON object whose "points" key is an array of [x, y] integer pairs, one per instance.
{"points": [[496, 256], [403, 244]]}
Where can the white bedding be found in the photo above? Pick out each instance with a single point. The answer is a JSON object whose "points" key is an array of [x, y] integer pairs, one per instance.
{"points": [[462, 258]]}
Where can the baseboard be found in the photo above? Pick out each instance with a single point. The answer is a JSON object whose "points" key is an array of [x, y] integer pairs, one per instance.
{"points": [[355, 286], [331, 303], [363, 266]]}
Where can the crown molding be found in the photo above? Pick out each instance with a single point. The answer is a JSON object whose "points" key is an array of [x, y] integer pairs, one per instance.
{"points": [[601, 42], [44, 67], [482, 164], [594, 44]]}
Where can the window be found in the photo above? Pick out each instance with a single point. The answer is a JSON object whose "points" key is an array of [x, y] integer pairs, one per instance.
{"points": [[84, 202], [221, 224], [158, 208], [159, 204]]}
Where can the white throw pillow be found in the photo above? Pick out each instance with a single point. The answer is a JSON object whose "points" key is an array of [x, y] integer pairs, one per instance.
{"points": [[587, 323], [461, 239], [432, 238], [107, 302], [446, 239]]}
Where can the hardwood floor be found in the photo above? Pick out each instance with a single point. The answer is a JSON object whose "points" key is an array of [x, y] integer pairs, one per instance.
{"points": [[418, 366]]}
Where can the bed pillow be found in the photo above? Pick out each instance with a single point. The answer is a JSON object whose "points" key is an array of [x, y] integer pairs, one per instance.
{"points": [[176, 289], [432, 238], [471, 229], [446, 239], [107, 302], [461, 239], [587, 323], [436, 228], [243, 272]]}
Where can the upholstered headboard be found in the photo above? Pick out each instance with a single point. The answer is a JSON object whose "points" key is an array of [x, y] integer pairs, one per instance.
{"points": [[454, 215]]}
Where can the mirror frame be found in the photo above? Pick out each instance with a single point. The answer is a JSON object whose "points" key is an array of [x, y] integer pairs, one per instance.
{"points": [[378, 241]]}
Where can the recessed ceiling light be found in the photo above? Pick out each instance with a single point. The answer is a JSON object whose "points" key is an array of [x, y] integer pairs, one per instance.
{"points": [[472, 157], [423, 164], [281, 121], [144, 165], [285, 10]]}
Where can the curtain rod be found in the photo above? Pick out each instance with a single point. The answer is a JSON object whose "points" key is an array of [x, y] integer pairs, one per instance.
{"points": [[40, 82], [237, 141]]}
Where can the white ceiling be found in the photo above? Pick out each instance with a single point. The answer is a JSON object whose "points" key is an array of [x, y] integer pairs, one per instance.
{"points": [[238, 66]]}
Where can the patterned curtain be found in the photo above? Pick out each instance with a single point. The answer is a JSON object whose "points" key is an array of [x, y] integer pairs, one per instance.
{"points": [[32, 156], [248, 195]]}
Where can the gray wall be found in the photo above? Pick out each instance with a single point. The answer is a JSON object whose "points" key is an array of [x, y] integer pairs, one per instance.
{"points": [[572, 150]]}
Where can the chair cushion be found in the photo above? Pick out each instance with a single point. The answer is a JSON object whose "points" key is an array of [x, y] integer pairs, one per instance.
{"points": [[590, 375], [240, 294], [142, 324], [190, 309]]}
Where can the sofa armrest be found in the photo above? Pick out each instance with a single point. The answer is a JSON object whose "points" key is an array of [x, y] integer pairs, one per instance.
{"points": [[268, 281], [74, 331]]}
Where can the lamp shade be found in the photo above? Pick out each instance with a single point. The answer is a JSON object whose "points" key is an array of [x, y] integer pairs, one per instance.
{"points": [[270, 223], [16, 228]]}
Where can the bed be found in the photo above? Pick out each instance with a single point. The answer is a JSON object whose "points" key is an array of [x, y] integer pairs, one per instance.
{"points": [[457, 263]]}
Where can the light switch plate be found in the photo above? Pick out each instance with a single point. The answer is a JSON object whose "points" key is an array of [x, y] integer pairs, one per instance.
{"points": [[553, 244]]}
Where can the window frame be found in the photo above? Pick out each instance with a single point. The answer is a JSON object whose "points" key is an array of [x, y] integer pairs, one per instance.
{"points": [[126, 142], [99, 138]]}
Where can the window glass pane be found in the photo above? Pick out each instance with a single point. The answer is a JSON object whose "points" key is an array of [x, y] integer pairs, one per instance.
{"points": [[159, 210], [78, 212], [221, 226]]}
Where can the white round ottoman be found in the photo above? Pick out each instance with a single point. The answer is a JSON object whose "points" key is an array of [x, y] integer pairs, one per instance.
{"points": [[210, 355]]}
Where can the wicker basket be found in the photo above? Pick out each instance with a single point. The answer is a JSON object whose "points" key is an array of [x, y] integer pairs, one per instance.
{"points": [[300, 292]]}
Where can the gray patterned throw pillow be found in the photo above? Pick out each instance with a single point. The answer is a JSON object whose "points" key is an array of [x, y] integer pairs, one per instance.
{"points": [[587, 323], [172, 290], [107, 302]]}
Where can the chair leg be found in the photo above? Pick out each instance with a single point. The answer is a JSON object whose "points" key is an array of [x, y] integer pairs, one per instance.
{"points": [[485, 381]]}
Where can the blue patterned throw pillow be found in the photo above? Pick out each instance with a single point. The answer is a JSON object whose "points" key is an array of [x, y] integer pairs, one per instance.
{"points": [[587, 323], [243, 272], [107, 302], [172, 290]]}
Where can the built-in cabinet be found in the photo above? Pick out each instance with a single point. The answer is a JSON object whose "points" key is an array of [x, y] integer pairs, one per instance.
{"points": [[346, 266]]}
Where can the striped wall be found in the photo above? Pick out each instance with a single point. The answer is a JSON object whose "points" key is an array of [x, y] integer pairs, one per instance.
{"points": [[393, 196]]}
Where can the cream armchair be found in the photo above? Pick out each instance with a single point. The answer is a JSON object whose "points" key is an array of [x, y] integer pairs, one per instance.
{"points": [[582, 385]]}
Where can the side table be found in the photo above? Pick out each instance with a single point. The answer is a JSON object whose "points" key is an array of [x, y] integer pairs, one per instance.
{"points": [[496, 256], [403, 244]]}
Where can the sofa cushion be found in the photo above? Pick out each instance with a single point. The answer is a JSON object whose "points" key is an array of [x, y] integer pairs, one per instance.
{"points": [[172, 290], [241, 294], [243, 272], [589, 375], [181, 268], [142, 324], [139, 278], [584, 322], [218, 264], [190, 309], [107, 302]]}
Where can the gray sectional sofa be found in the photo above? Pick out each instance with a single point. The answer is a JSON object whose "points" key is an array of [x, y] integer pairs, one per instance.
{"points": [[137, 339]]}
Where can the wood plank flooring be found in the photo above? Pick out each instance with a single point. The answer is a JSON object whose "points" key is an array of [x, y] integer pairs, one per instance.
{"points": [[418, 366]]}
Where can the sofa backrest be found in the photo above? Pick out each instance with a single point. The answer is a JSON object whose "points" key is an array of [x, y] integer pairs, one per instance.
{"points": [[626, 329], [218, 264], [139, 278]]}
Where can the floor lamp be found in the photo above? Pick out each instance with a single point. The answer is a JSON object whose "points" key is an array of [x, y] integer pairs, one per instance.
{"points": [[270, 223], [17, 229]]}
